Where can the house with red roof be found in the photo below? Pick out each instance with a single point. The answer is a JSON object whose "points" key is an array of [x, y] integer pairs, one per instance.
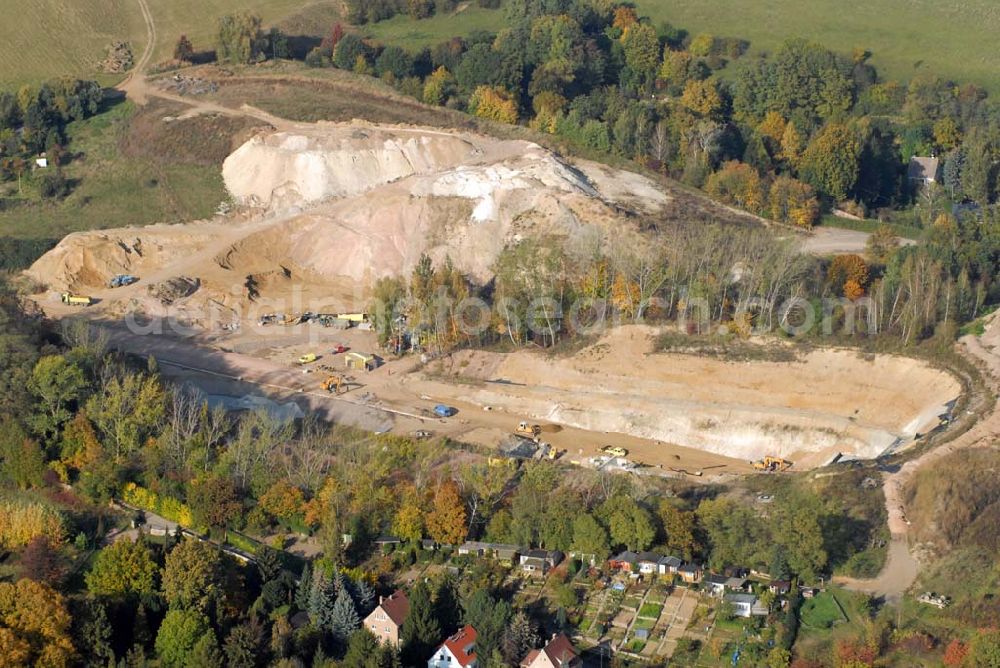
{"points": [[557, 653], [386, 621], [458, 651]]}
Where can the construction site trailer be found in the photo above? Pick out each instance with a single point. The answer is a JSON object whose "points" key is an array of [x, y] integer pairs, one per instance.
{"points": [[353, 317], [360, 361]]}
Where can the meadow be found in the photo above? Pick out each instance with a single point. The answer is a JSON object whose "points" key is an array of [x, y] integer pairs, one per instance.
{"points": [[44, 39], [413, 35], [51, 38], [116, 179], [954, 39]]}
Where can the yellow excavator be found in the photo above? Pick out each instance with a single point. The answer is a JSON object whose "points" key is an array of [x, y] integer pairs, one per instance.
{"points": [[336, 384], [771, 464]]}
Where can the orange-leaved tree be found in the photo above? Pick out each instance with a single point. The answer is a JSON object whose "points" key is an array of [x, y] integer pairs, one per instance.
{"points": [[446, 522]]}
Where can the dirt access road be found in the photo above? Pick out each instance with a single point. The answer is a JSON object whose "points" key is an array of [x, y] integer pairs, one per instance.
{"points": [[138, 89], [902, 568]]}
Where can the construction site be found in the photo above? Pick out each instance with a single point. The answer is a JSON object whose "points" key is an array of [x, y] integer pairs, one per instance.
{"points": [[268, 299]]}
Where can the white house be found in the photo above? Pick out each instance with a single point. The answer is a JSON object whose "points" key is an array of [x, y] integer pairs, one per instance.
{"points": [[458, 651]]}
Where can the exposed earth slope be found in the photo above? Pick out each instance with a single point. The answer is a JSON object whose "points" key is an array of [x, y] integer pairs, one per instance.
{"points": [[330, 208]]}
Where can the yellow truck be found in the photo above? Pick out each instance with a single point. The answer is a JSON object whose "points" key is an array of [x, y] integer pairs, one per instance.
{"points": [[76, 300], [614, 451], [308, 358]]}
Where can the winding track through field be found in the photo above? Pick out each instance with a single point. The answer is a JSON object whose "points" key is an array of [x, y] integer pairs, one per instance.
{"points": [[137, 88]]}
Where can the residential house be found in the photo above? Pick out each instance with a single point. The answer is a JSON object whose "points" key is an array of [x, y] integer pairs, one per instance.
{"points": [[648, 563], [458, 651], [540, 561], [715, 584], [624, 561], [387, 543], [475, 548], [736, 584], [386, 621], [690, 573], [669, 565], [746, 605], [923, 171], [780, 587], [557, 653], [506, 554], [500, 551]]}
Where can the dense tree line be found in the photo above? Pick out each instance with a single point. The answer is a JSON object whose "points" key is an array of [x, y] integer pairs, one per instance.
{"points": [[33, 121], [545, 291], [602, 77], [105, 425]]}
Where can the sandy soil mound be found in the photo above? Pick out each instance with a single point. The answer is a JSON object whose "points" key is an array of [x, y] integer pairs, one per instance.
{"points": [[320, 162], [828, 402], [341, 205]]}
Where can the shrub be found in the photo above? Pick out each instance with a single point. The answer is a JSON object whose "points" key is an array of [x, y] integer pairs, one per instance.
{"points": [[22, 522], [165, 506], [737, 184], [53, 186], [493, 103]]}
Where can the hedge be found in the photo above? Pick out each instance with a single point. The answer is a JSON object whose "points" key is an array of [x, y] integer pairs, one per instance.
{"points": [[164, 506]]}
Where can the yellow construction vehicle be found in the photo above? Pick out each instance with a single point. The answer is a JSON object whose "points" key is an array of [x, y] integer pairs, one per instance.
{"points": [[500, 461], [336, 384], [614, 451], [76, 300], [770, 463], [308, 358], [532, 431]]}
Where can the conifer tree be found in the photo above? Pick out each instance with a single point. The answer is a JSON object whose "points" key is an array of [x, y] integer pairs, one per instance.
{"points": [[344, 619], [421, 633]]}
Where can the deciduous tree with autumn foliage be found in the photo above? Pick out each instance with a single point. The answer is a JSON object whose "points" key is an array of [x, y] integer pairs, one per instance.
{"points": [[447, 519]]}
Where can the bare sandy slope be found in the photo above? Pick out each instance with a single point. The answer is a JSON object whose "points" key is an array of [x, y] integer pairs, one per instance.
{"points": [[832, 401], [902, 568], [328, 209]]}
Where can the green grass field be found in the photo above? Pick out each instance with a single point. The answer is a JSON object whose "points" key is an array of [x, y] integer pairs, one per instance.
{"points": [[50, 38], [823, 625], [409, 34], [45, 39], [197, 19], [955, 39], [114, 187], [821, 612]]}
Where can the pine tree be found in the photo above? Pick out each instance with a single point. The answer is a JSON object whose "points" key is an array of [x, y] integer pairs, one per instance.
{"points": [[519, 638], [421, 633], [268, 564], [364, 597], [321, 601], [362, 650], [446, 607], [205, 653], [344, 619], [304, 589]]}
